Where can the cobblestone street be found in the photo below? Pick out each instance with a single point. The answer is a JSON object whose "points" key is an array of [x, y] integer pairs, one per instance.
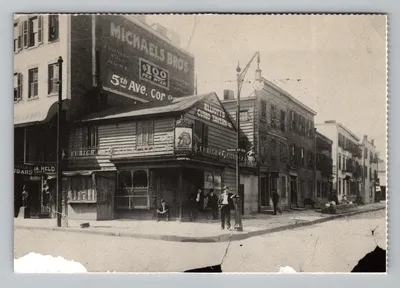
{"points": [[333, 246]]}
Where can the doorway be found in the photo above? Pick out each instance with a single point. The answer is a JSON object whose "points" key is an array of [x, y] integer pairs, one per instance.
{"points": [[293, 190]]}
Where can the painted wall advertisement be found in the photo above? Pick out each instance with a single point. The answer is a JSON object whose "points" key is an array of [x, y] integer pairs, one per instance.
{"points": [[139, 64], [213, 114]]}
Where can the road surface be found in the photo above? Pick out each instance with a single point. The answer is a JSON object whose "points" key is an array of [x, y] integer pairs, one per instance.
{"points": [[334, 246]]}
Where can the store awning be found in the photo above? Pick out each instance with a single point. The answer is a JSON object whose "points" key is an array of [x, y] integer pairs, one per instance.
{"points": [[36, 111], [71, 174]]}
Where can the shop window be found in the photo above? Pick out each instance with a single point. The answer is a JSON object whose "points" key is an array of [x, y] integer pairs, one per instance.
{"points": [[33, 83], [81, 189], [124, 180], [53, 78], [201, 132], [53, 28], [145, 133], [139, 179]]}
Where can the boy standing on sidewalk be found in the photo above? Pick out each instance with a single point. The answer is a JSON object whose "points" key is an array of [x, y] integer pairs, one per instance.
{"points": [[225, 204]]}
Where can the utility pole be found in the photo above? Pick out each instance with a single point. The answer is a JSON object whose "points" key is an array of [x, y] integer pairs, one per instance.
{"points": [[59, 148]]}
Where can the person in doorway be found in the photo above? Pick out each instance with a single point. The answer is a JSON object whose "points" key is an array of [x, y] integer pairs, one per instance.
{"points": [[225, 204], [200, 200], [163, 210], [25, 195], [213, 203], [193, 207], [275, 201]]}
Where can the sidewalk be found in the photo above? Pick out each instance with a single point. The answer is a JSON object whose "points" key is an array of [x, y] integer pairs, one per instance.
{"points": [[206, 232]]}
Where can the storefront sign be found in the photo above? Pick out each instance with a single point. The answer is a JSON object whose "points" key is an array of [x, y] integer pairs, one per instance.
{"points": [[83, 152], [213, 114], [136, 62], [31, 170], [220, 153]]}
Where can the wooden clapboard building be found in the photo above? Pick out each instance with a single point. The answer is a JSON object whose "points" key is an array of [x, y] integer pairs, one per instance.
{"points": [[122, 162]]}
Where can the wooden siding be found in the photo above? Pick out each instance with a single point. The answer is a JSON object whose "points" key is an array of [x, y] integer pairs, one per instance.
{"points": [[247, 127], [218, 136], [229, 179], [121, 138]]}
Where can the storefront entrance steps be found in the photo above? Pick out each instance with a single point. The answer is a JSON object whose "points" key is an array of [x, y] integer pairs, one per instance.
{"points": [[202, 231]]}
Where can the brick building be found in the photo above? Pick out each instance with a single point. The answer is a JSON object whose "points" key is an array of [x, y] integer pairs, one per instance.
{"points": [[324, 172], [346, 156], [369, 162], [108, 61], [281, 130]]}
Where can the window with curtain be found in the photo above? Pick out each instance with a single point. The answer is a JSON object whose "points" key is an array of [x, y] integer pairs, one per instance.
{"points": [[81, 189]]}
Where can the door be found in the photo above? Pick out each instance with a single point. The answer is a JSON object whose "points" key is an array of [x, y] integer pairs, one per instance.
{"points": [[241, 195], [263, 191], [293, 190], [105, 187]]}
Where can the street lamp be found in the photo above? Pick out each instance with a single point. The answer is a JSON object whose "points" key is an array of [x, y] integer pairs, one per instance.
{"points": [[240, 79]]}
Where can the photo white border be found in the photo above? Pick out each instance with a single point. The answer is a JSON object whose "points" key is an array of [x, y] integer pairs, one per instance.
{"points": [[196, 280]]}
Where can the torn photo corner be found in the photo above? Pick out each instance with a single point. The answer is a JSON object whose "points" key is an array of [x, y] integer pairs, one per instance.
{"points": [[197, 142]]}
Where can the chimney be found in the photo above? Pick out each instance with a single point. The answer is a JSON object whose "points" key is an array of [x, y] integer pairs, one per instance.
{"points": [[330, 121], [372, 142], [229, 95]]}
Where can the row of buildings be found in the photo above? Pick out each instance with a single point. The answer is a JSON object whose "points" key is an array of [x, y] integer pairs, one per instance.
{"points": [[131, 135]]}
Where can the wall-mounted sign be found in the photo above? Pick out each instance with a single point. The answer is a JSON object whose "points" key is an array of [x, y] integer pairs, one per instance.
{"points": [[34, 169], [83, 152], [183, 142], [137, 63], [213, 114]]}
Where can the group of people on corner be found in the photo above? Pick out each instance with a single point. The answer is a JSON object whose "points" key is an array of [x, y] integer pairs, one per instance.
{"points": [[198, 202]]}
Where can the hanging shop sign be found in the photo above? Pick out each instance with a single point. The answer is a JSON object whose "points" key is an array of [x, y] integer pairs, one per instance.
{"points": [[137, 63], [183, 139], [210, 113]]}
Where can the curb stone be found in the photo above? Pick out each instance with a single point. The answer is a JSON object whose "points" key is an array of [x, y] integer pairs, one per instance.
{"points": [[205, 239]]}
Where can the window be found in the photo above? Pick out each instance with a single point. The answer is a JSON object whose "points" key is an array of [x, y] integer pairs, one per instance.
{"points": [[145, 133], [365, 172], [53, 78], [244, 116], [263, 146], [273, 149], [201, 132], [310, 129], [90, 137], [263, 109], [370, 173], [302, 156], [366, 153], [340, 161], [139, 179], [53, 28], [283, 121], [301, 125], [35, 31], [292, 154], [340, 186], [311, 188], [283, 152], [16, 36], [344, 163], [17, 86], [292, 120], [310, 159], [273, 116], [81, 189], [25, 33], [33, 82]]}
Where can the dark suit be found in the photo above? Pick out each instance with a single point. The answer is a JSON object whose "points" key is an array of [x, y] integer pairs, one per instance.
{"points": [[226, 210], [160, 209], [213, 204]]}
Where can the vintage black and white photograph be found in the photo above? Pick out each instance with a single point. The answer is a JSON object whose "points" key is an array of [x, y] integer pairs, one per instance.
{"points": [[200, 143]]}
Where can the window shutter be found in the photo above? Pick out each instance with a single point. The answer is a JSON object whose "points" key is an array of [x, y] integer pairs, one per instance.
{"points": [[151, 133], [25, 34], [20, 32], [40, 29], [19, 85], [50, 78], [205, 135], [139, 134], [85, 137]]}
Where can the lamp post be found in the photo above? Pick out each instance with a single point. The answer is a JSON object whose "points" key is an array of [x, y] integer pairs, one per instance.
{"points": [[240, 78], [59, 148]]}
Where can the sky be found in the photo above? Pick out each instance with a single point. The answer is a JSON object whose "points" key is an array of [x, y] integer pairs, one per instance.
{"points": [[335, 64]]}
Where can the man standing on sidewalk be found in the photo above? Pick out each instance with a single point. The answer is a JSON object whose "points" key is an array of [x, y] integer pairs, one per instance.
{"points": [[225, 204], [275, 201], [213, 203]]}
